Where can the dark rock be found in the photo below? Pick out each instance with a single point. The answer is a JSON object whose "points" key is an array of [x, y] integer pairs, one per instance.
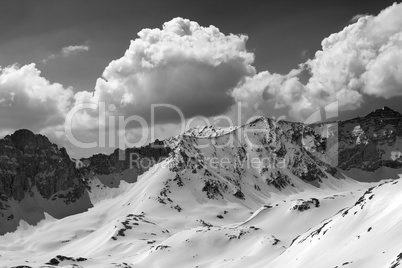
{"points": [[360, 140], [239, 194], [279, 181], [212, 189], [28, 160], [384, 112], [141, 159], [53, 261], [303, 205]]}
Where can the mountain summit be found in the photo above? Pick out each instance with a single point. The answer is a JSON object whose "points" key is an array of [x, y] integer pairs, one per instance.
{"points": [[35, 175], [384, 112]]}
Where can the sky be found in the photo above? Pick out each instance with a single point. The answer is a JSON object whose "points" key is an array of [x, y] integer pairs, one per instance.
{"points": [[283, 58]]}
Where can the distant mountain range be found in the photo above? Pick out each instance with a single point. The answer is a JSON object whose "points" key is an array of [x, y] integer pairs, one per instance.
{"points": [[259, 195]]}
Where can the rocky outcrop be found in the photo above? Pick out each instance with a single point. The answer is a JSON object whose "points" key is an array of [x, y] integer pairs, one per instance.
{"points": [[28, 160], [310, 152], [369, 143], [279, 180], [384, 112], [141, 159], [272, 155], [302, 205], [36, 177]]}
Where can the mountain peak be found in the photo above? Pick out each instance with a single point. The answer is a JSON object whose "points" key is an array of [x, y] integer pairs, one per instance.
{"points": [[25, 137], [384, 112], [23, 132]]}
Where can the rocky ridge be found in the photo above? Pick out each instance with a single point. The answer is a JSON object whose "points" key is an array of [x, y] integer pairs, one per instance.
{"points": [[37, 175], [141, 159], [28, 160], [368, 143], [285, 153]]}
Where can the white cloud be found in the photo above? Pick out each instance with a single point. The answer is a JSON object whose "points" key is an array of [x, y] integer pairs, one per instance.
{"points": [[265, 92], [182, 64], [383, 77], [362, 56], [363, 59], [68, 51], [355, 18], [71, 50], [27, 100], [204, 72]]}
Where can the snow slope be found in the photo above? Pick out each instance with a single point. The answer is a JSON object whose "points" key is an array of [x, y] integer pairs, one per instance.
{"points": [[366, 234], [133, 228], [213, 204]]}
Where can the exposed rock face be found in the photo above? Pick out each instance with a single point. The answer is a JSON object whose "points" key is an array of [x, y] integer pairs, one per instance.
{"points": [[263, 153], [302, 205], [309, 152], [28, 160], [31, 166], [36, 177], [370, 142], [141, 159], [35, 173], [384, 112], [279, 180]]}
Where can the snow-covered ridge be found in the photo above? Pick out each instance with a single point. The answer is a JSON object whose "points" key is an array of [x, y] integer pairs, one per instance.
{"points": [[209, 131], [362, 235], [188, 210], [253, 196], [368, 143]]}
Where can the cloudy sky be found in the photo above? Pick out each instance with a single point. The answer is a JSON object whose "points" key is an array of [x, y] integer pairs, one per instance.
{"points": [[276, 59]]}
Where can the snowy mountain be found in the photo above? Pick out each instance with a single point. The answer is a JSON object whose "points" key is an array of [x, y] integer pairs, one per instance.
{"points": [[120, 160], [371, 142], [369, 232], [37, 178], [265, 194], [369, 148]]}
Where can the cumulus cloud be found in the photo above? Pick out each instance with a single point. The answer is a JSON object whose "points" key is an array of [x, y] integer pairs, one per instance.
{"points": [[183, 64], [361, 59], [265, 92], [364, 59], [355, 18], [27, 100], [203, 71]]}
